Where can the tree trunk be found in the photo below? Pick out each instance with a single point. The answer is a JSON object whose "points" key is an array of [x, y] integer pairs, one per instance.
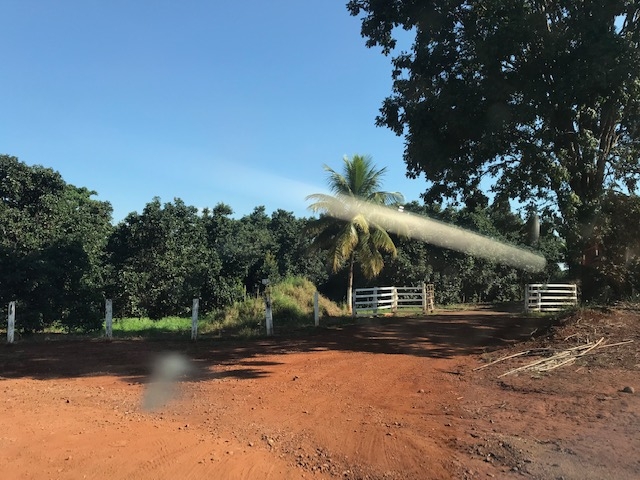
{"points": [[579, 236], [350, 288]]}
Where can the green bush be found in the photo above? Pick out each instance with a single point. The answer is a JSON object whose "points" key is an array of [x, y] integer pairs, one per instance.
{"points": [[292, 306]]}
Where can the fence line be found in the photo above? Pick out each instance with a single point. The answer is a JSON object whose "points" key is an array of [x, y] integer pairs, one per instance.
{"points": [[372, 300], [108, 317], [550, 297]]}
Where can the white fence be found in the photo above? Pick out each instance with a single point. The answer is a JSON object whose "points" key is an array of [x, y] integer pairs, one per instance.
{"points": [[108, 323], [367, 301], [550, 297]]}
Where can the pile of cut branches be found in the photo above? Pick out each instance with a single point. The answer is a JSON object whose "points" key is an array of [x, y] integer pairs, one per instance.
{"points": [[554, 358]]}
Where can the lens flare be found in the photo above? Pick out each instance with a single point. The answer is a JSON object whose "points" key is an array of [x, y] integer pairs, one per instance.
{"points": [[434, 232]]}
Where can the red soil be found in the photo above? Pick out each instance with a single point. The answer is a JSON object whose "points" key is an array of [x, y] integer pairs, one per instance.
{"points": [[391, 398]]}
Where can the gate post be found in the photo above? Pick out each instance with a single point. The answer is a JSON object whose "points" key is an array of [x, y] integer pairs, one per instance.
{"points": [[424, 298], [375, 300]]}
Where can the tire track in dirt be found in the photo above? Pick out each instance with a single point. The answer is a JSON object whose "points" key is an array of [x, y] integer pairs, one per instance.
{"points": [[377, 424], [166, 455]]}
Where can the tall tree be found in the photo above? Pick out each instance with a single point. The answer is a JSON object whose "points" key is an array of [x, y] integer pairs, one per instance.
{"points": [[244, 252], [539, 97], [52, 238], [358, 239], [229, 285], [161, 260]]}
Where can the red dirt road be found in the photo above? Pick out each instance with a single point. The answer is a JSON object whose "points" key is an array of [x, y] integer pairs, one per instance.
{"points": [[385, 399]]}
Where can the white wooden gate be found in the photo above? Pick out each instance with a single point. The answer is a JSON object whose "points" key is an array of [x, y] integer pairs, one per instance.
{"points": [[550, 297], [372, 301]]}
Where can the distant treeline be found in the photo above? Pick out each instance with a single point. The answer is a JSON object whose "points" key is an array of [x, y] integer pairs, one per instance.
{"points": [[60, 255]]}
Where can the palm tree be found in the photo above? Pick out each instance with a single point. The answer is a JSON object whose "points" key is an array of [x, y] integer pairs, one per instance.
{"points": [[342, 229]]}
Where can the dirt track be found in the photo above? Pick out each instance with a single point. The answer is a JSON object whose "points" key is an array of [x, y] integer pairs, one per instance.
{"points": [[385, 399]]}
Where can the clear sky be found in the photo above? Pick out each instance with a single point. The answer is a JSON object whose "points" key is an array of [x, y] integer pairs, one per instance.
{"points": [[208, 101]]}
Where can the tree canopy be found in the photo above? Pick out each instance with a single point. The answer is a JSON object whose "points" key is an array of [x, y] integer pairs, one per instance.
{"points": [[52, 238], [539, 99], [161, 260]]}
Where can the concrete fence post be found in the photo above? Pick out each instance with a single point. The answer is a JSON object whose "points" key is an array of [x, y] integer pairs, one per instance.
{"points": [[11, 322], [194, 318], [316, 309], [424, 298], [108, 318]]}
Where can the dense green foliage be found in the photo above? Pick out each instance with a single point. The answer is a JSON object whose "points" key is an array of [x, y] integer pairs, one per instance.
{"points": [[160, 260], [52, 238], [540, 98], [163, 258], [612, 266], [60, 257], [353, 238]]}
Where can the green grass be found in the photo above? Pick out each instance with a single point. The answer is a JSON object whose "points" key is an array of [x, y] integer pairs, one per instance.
{"points": [[292, 307], [292, 304], [292, 301], [458, 307], [169, 327], [145, 327]]}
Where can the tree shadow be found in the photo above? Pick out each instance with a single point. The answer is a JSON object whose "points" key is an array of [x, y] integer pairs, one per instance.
{"points": [[442, 335]]}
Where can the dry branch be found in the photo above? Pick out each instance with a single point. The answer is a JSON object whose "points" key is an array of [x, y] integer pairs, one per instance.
{"points": [[566, 362], [565, 357], [592, 347], [626, 342], [529, 365], [502, 359]]}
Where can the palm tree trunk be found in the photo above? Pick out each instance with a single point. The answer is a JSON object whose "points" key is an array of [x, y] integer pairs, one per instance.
{"points": [[350, 287]]}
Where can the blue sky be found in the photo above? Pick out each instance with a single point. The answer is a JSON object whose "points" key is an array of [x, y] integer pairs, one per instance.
{"points": [[208, 101]]}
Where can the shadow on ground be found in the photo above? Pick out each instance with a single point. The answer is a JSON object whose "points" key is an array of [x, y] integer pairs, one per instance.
{"points": [[442, 335]]}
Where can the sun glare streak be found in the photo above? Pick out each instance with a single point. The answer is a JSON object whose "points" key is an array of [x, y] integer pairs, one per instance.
{"points": [[437, 233]]}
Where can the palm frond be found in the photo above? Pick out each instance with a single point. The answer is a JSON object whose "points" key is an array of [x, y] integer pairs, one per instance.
{"points": [[371, 261], [386, 198], [381, 240], [343, 247], [338, 183], [361, 223]]}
